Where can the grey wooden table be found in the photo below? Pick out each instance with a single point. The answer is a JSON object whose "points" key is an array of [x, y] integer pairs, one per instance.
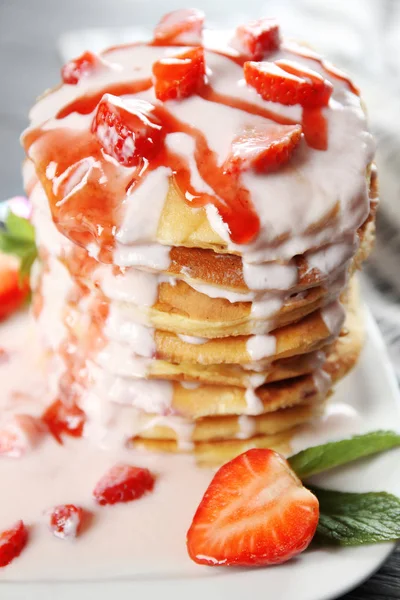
{"points": [[29, 30]]}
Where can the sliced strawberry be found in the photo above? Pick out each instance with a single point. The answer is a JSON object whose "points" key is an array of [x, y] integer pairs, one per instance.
{"points": [[123, 483], [13, 292], [12, 542], [179, 76], [20, 434], [257, 38], [182, 26], [255, 512], [65, 419], [288, 83], [127, 130], [65, 521], [264, 148], [80, 67]]}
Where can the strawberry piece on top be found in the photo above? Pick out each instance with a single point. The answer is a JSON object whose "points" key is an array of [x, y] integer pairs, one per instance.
{"points": [[181, 27], [13, 290], [20, 434], [61, 418], [179, 76], [12, 542], [288, 83], [257, 38], [255, 512], [65, 520], [123, 483], [264, 149], [73, 71], [127, 130]]}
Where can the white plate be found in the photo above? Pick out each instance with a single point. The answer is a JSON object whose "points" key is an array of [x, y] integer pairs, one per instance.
{"points": [[165, 571]]}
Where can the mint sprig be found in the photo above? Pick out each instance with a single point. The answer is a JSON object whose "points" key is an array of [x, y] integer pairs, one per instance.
{"points": [[333, 454], [17, 237], [349, 519]]}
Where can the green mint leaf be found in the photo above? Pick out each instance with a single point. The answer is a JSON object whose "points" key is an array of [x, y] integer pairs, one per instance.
{"points": [[20, 228], [321, 458], [349, 519]]}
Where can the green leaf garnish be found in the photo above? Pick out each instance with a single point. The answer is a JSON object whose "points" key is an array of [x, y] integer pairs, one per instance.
{"points": [[327, 456], [349, 519], [18, 238]]}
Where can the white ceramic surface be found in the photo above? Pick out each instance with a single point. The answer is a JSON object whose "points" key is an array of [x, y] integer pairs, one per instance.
{"points": [[164, 570]]}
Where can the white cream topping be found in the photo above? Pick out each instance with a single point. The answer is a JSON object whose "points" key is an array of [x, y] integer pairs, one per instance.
{"points": [[254, 404], [261, 346], [333, 316], [190, 339]]}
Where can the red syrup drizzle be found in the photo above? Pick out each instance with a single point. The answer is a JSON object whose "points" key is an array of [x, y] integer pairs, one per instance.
{"points": [[314, 125], [92, 213]]}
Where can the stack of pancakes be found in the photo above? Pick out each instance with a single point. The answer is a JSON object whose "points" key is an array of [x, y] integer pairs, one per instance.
{"points": [[184, 341]]}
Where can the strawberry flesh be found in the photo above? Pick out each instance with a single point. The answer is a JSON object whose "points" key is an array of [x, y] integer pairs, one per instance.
{"points": [[255, 512], [79, 67], [257, 38], [20, 434], [13, 291], [180, 76], [180, 27], [65, 520], [12, 542], [123, 483], [61, 418], [127, 130], [288, 83], [264, 149]]}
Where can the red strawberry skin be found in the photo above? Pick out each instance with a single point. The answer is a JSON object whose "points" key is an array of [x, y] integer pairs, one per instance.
{"points": [[180, 76], [257, 38], [264, 149], [182, 26], [288, 83], [79, 67], [255, 512], [62, 419], [13, 292], [65, 520], [12, 542], [123, 483], [126, 130]]}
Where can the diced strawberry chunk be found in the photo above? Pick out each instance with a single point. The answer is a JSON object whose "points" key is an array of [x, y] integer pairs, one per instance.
{"points": [[13, 292], [288, 83], [127, 129], [264, 149], [255, 512], [123, 483], [20, 434], [61, 418], [179, 76], [183, 26], [80, 67], [65, 520], [257, 38], [12, 542]]}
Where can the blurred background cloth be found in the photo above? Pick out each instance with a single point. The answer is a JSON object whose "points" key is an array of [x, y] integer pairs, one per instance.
{"points": [[361, 36]]}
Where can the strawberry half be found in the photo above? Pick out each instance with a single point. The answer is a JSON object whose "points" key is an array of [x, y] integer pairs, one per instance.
{"points": [[264, 149], [20, 434], [12, 542], [183, 26], [123, 483], [13, 292], [255, 512], [73, 71], [257, 38], [65, 521], [288, 83], [179, 76], [127, 130]]}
